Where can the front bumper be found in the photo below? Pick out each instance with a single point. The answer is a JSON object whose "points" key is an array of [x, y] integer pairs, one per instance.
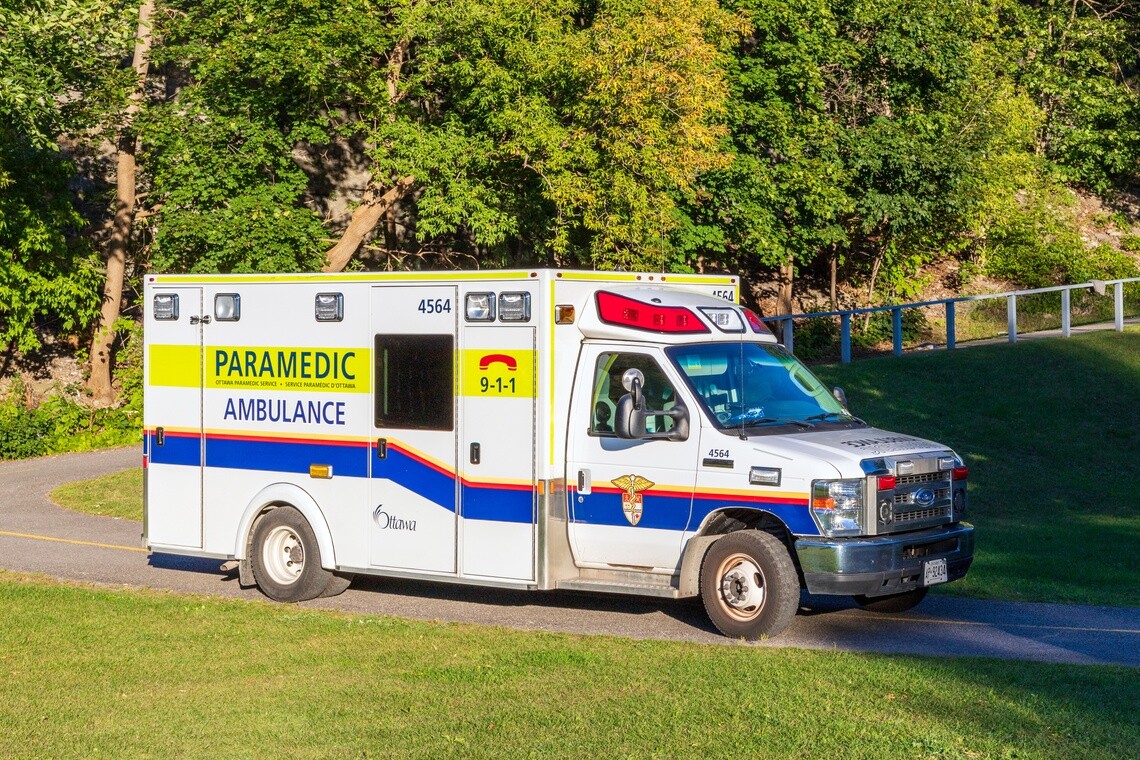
{"points": [[883, 564]]}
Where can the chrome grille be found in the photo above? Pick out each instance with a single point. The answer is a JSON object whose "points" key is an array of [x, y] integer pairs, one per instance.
{"points": [[908, 497], [935, 513], [925, 477]]}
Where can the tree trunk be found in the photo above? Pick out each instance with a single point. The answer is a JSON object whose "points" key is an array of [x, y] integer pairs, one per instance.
{"points": [[784, 294], [364, 219], [99, 383], [834, 267], [786, 280]]}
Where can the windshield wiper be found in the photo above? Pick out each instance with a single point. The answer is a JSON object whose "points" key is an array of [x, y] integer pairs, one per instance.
{"points": [[829, 415], [776, 421]]}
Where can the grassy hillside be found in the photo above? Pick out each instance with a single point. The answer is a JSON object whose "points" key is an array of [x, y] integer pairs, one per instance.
{"points": [[1051, 432]]}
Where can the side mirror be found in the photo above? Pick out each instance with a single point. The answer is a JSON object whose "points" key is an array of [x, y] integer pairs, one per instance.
{"points": [[633, 380], [840, 396], [630, 421]]}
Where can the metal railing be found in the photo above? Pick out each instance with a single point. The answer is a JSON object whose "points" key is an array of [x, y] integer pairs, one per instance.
{"points": [[785, 321]]}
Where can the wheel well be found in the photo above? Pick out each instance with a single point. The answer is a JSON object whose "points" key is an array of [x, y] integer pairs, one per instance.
{"points": [[729, 521], [734, 519], [245, 568]]}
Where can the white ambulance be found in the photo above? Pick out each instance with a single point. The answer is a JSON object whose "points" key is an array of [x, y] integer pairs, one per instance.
{"points": [[611, 432]]}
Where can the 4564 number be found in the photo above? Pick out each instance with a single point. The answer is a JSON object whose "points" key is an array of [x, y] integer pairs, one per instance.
{"points": [[435, 306]]}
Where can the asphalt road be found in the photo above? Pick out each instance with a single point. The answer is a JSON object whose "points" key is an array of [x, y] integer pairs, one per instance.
{"points": [[37, 536]]}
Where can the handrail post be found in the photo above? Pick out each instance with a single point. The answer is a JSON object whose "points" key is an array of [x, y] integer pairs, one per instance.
{"points": [[845, 338], [951, 335], [786, 334], [1066, 313], [896, 329], [1011, 316], [1119, 294]]}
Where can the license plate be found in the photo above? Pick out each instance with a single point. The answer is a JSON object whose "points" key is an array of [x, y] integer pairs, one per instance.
{"points": [[934, 572]]}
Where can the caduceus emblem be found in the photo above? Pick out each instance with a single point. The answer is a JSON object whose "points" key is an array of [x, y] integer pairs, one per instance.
{"points": [[631, 499]]}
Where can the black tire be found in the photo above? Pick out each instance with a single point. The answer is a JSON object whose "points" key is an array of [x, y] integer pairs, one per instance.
{"points": [[285, 558], [890, 603], [337, 584], [749, 585]]}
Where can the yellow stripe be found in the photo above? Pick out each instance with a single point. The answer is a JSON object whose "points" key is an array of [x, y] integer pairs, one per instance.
{"points": [[684, 279], [263, 435], [378, 277], [179, 366], [73, 541]]}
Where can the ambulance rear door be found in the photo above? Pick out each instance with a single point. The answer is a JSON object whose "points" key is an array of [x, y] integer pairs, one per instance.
{"points": [[172, 417]]}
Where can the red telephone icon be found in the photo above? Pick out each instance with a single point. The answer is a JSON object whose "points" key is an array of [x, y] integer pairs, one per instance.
{"points": [[490, 359]]}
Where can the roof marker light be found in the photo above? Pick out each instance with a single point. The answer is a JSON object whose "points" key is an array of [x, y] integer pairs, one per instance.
{"points": [[626, 312], [726, 318], [755, 322]]}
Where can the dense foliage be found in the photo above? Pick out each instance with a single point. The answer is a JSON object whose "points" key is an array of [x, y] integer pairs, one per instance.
{"points": [[872, 136]]}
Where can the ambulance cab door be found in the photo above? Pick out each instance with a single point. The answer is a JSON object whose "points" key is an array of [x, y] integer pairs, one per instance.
{"points": [[413, 485], [497, 451], [172, 417], [630, 500]]}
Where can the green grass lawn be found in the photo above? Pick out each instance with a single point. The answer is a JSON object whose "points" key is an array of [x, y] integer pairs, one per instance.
{"points": [[116, 495], [116, 673], [1051, 432]]}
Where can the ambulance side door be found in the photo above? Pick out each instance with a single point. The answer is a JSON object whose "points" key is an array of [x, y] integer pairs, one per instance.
{"points": [[629, 500], [413, 484]]}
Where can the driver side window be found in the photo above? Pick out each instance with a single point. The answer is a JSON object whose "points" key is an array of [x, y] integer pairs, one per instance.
{"points": [[659, 392]]}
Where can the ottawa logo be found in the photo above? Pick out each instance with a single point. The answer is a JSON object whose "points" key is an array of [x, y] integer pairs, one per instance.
{"points": [[631, 500], [385, 521]]}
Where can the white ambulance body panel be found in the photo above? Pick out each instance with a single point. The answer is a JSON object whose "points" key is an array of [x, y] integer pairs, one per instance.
{"points": [[276, 402], [531, 429]]}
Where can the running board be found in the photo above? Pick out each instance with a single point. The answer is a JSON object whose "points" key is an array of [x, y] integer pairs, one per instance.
{"points": [[614, 587]]}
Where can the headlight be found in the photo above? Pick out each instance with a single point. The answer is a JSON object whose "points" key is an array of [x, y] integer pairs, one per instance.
{"points": [[837, 506]]}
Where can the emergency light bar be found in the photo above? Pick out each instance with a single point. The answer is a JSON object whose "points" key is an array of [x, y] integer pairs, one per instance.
{"points": [[626, 312]]}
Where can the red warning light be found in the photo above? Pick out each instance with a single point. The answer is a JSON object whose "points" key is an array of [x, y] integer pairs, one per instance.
{"points": [[626, 312]]}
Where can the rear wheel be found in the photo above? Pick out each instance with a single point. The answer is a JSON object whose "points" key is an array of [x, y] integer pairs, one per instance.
{"points": [[907, 600], [749, 585], [286, 560]]}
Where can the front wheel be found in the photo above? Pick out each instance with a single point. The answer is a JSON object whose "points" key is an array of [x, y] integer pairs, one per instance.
{"points": [[907, 600], [286, 560], [749, 585]]}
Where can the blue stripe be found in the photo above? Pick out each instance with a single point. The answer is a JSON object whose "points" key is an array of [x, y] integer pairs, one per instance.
{"points": [[480, 502], [500, 504], [672, 512], [664, 512], [416, 476], [795, 516], [286, 456], [176, 449]]}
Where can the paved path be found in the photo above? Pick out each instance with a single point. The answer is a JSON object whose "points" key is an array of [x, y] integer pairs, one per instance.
{"points": [[36, 536]]}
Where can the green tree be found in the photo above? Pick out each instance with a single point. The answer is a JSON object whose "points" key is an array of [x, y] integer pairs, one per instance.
{"points": [[54, 85], [495, 128]]}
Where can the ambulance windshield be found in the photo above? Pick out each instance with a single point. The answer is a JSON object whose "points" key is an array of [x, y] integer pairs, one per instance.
{"points": [[758, 386]]}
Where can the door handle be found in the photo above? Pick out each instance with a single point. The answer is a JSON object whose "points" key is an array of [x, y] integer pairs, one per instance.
{"points": [[584, 483], [475, 453], [381, 448]]}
